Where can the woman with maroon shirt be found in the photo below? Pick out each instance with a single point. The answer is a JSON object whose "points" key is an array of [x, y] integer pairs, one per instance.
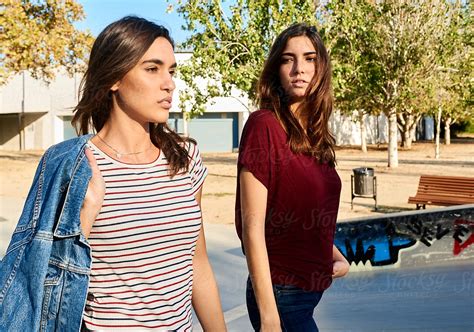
{"points": [[287, 188]]}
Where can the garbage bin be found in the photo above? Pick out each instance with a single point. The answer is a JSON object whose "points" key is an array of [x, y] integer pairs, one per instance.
{"points": [[364, 181]]}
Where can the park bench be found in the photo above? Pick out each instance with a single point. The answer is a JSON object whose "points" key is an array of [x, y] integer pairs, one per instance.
{"points": [[443, 190]]}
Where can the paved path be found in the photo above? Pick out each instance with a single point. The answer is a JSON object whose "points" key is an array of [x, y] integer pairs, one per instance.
{"points": [[411, 161], [428, 299]]}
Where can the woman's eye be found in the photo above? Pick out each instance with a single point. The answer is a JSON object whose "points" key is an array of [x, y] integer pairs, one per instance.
{"points": [[311, 59], [286, 60], [172, 72], [152, 69]]}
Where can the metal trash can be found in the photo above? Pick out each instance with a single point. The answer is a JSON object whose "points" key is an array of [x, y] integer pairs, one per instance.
{"points": [[363, 184], [363, 181]]}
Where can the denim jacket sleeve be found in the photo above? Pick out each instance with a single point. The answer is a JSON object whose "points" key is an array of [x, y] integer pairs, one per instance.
{"points": [[21, 236], [24, 229], [45, 273]]}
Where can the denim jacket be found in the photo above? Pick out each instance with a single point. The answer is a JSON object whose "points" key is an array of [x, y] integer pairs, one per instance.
{"points": [[44, 275]]}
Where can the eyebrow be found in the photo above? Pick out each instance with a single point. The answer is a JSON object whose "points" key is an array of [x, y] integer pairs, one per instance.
{"points": [[158, 62], [305, 54]]}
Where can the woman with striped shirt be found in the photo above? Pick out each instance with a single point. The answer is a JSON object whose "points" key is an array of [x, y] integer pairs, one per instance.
{"points": [[141, 213]]}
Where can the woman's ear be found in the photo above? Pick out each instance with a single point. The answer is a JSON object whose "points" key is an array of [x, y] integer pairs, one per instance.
{"points": [[115, 87]]}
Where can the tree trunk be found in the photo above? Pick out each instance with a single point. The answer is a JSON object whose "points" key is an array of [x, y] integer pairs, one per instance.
{"points": [[407, 123], [401, 126], [447, 131], [413, 129], [406, 138], [438, 129], [392, 140], [185, 124], [363, 132]]}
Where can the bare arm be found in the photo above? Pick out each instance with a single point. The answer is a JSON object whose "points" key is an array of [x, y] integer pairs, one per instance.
{"points": [[253, 198], [340, 265], [94, 196], [206, 301]]}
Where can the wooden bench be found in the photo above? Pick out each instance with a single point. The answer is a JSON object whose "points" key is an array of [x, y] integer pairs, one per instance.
{"points": [[443, 190]]}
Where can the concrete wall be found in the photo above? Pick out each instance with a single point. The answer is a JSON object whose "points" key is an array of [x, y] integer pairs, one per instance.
{"points": [[213, 132], [41, 103], [59, 95], [8, 132], [346, 129], [436, 236]]}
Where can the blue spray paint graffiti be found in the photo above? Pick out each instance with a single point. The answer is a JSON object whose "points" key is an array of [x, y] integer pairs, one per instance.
{"points": [[379, 240]]}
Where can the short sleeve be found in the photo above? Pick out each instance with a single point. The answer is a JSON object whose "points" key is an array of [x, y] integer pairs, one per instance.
{"points": [[255, 148], [197, 170]]}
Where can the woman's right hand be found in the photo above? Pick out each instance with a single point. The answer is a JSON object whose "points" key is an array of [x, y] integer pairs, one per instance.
{"points": [[94, 196]]}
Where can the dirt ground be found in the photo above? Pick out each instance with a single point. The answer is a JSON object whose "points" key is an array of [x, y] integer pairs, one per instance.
{"points": [[394, 186]]}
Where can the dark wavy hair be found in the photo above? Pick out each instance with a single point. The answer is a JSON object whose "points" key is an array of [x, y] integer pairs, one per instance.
{"points": [[117, 49], [318, 102]]}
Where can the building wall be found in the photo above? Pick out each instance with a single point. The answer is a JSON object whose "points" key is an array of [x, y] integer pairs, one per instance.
{"points": [[8, 132], [211, 130], [347, 130]]}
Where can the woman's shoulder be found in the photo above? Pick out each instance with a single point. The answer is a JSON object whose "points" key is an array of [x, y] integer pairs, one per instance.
{"points": [[69, 148], [262, 115], [264, 119]]}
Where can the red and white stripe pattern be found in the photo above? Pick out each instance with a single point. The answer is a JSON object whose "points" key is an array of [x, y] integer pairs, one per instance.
{"points": [[143, 243]]}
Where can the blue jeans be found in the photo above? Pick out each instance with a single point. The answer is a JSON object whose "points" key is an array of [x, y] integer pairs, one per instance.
{"points": [[295, 307]]}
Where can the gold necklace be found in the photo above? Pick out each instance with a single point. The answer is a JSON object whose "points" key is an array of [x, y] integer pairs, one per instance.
{"points": [[119, 154]]}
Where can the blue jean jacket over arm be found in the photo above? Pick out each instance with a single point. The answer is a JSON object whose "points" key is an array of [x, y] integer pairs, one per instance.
{"points": [[44, 275]]}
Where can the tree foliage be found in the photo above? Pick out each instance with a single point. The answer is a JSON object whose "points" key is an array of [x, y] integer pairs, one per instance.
{"points": [[389, 53], [39, 37], [230, 42], [456, 82], [347, 32]]}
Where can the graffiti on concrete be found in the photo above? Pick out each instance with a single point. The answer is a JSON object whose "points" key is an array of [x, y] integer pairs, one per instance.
{"points": [[463, 235], [445, 235]]}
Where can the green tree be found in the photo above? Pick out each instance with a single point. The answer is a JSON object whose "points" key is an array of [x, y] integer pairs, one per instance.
{"points": [[230, 43], [39, 37], [401, 49], [456, 80], [346, 32]]}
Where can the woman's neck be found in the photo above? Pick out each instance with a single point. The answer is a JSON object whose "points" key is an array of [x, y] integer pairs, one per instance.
{"points": [[128, 141]]}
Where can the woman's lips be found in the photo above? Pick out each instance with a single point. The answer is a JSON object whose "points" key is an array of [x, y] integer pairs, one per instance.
{"points": [[298, 83], [166, 102]]}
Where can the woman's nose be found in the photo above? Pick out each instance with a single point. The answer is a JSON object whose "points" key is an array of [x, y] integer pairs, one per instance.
{"points": [[168, 84]]}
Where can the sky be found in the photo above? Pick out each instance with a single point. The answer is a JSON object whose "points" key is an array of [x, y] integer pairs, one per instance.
{"points": [[100, 13]]}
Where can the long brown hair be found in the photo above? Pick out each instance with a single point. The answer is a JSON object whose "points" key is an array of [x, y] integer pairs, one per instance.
{"points": [[317, 104], [117, 49]]}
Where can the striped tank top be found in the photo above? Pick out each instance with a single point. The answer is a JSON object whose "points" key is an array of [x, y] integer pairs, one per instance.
{"points": [[143, 243]]}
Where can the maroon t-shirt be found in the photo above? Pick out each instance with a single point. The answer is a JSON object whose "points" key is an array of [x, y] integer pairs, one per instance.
{"points": [[302, 204]]}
